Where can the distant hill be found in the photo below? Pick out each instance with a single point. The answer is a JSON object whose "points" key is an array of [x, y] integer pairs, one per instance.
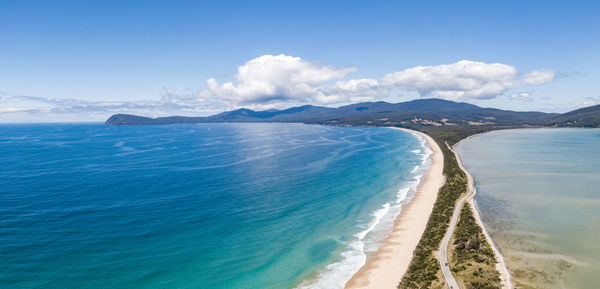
{"points": [[583, 117], [420, 112]]}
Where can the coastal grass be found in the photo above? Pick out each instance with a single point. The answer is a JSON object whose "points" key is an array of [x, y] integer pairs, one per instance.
{"points": [[424, 269], [472, 260]]}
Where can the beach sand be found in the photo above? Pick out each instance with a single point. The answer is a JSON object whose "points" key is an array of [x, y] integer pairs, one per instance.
{"points": [[385, 268]]}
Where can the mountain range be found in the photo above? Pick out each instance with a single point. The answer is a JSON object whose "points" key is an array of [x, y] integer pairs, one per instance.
{"points": [[420, 112]]}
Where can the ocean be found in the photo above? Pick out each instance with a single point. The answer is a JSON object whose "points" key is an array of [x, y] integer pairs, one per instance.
{"points": [[539, 195], [198, 205]]}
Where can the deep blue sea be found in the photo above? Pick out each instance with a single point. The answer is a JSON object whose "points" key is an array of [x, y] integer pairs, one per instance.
{"points": [[198, 205]]}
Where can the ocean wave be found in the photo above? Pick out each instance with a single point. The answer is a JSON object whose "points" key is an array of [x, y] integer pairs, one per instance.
{"points": [[354, 256], [337, 274], [402, 194], [378, 214]]}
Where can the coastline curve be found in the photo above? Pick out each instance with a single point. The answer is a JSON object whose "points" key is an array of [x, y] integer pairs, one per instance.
{"points": [[387, 266]]}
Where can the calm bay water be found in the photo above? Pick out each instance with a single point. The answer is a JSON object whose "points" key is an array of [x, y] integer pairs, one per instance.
{"points": [[539, 193], [197, 206]]}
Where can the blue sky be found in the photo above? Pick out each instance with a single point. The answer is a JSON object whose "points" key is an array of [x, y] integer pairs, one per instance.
{"points": [[85, 60]]}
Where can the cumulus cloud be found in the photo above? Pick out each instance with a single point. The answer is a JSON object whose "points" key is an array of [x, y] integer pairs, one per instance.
{"points": [[464, 80], [277, 81], [363, 89], [282, 78], [277, 78]]}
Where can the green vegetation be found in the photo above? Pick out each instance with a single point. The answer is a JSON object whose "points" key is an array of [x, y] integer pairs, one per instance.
{"points": [[583, 117], [453, 135], [471, 257], [424, 270]]}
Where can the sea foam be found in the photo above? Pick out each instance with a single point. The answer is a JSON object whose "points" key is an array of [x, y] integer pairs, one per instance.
{"points": [[354, 256], [337, 274], [377, 217]]}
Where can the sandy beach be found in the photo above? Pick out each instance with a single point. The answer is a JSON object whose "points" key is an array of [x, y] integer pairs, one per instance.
{"points": [[386, 267]]}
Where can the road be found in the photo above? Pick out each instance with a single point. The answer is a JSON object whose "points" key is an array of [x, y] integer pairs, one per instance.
{"points": [[443, 251], [505, 279]]}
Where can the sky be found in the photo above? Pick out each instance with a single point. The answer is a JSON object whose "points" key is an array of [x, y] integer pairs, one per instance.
{"points": [[82, 61]]}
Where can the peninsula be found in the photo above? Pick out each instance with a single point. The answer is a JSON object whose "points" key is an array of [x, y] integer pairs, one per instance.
{"points": [[450, 224]]}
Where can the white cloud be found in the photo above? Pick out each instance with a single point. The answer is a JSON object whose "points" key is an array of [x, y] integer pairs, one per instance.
{"points": [[90, 110], [287, 79], [357, 90], [573, 105], [464, 80], [11, 109], [278, 78], [537, 77], [589, 101], [277, 81]]}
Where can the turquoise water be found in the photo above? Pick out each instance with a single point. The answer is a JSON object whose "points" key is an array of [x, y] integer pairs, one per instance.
{"points": [[198, 205], [539, 193]]}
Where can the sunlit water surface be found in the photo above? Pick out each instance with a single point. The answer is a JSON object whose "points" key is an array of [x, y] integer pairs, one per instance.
{"points": [[197, 205], [539, 194]]}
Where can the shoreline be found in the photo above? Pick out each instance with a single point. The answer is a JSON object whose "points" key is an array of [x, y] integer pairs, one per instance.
{"points": [[387, 266], [501, 266]]}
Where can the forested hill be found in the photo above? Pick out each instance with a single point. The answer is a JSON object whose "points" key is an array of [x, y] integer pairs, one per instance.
{"points": [[583, 117], [420, 112]]}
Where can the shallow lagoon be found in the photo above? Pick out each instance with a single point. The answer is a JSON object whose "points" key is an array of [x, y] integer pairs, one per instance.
{"points": [[539, 194]]}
